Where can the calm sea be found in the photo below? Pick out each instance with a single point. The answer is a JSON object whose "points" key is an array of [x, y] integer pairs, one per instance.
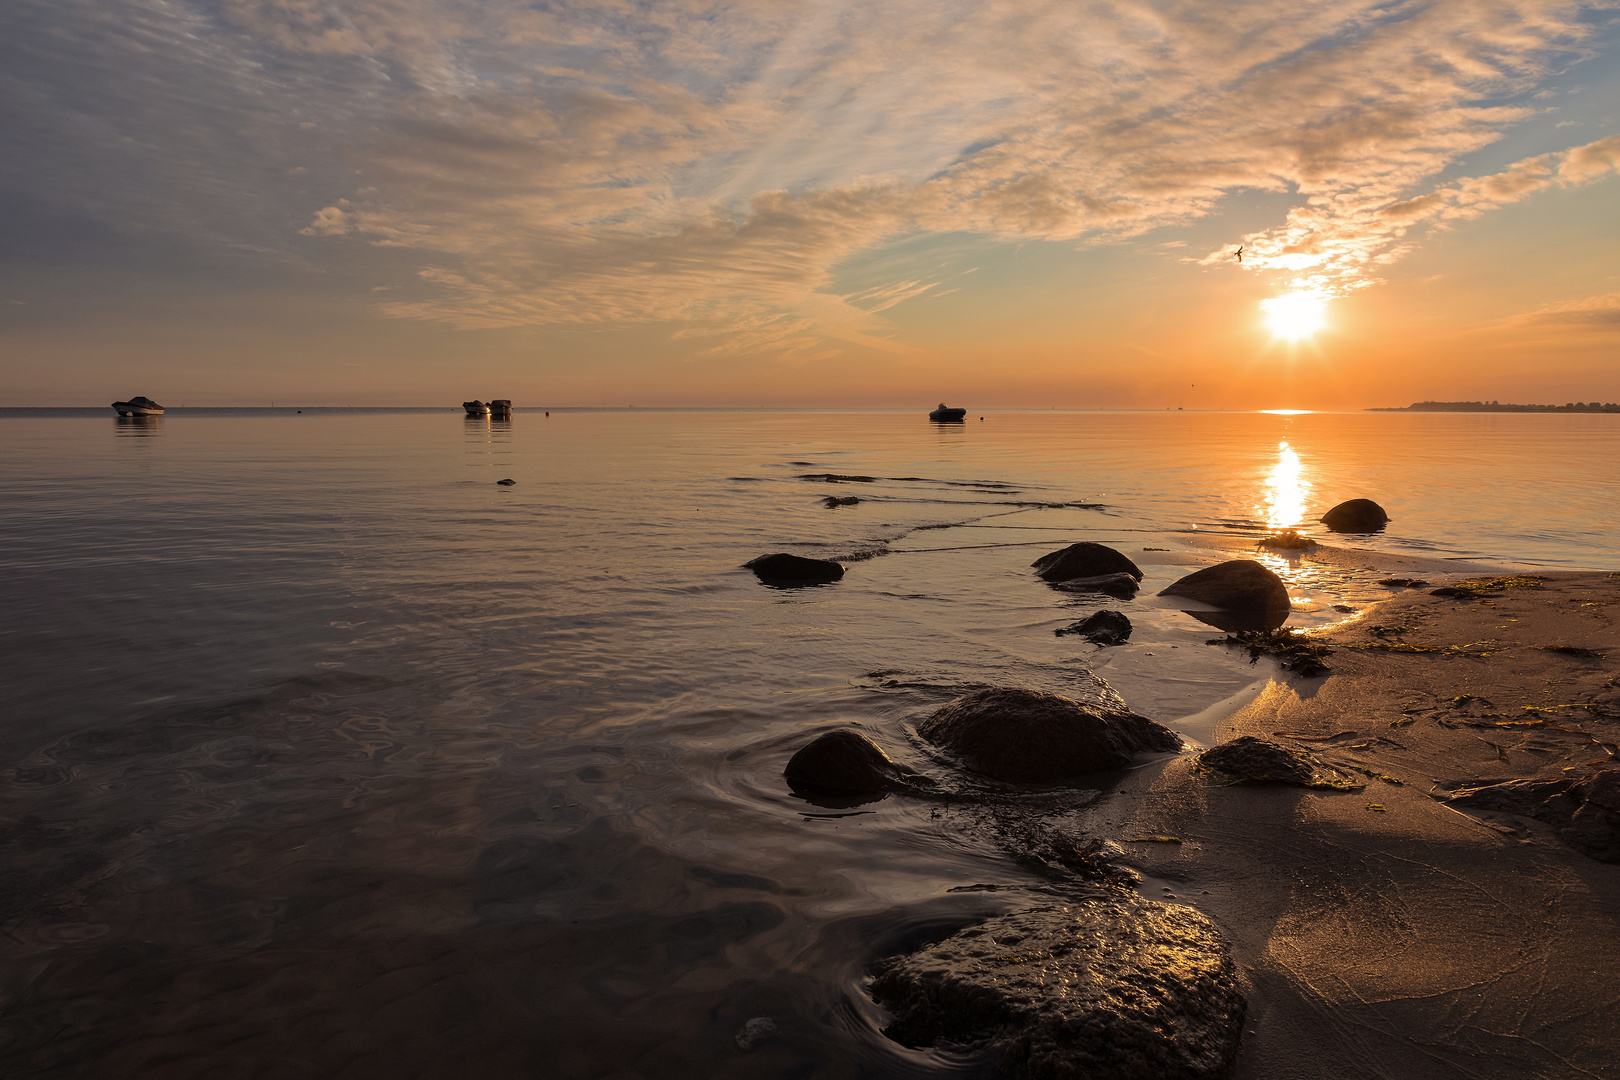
{"points": [[325, 755]]}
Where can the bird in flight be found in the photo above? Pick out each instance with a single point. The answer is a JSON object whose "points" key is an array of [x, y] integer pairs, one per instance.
{"points": [[1239, 253]]}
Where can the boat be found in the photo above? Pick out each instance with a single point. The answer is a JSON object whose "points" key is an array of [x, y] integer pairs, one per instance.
{"points": [[475, 408], [138, 406], [945, 415], [500, 407]]}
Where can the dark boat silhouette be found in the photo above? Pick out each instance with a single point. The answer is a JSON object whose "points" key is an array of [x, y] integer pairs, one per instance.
{"points": [[138, 406], [945, 415], [500, 407], [475, 407]]}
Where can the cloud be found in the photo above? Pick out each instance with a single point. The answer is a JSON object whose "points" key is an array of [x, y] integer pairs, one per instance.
{"points": [[1598, 312], [715, 165], [1336, 244]]}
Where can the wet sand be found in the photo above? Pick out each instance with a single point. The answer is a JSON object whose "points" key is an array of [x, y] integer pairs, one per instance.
{"points": [[1385, 933]]}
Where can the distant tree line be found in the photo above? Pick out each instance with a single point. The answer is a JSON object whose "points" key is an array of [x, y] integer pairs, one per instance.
{"points": [[1497, 406]]}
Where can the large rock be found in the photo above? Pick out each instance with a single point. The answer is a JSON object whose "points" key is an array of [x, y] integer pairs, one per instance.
{"points": [[1238, 585], [1100, 628], [1119, 586], [1356, 516], [1249, 758], [782, 569], [1031, 737], [844, 762], [1113, 988], [1084, 560]]}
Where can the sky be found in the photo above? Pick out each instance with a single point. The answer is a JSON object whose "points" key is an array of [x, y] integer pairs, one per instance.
{"points": [[892, 203]]}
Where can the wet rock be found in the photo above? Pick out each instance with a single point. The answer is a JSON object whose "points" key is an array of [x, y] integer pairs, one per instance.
{"points": [[1115, 987], [1031, 737], [1237, 585], [1249, 758], [844, 762], [1585, 811], [1084, 560], [1101, 628], [782, 569], [1356, 516], [832, 502], [754, 1032], [506, 483], [1120, 586], [837, 478]]}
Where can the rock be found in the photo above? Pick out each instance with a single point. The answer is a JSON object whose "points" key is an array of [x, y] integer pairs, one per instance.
{"points": [[1586, 811], [1356, 516], [791, 571], [844, 762], [1084, 560], [754, 1032], [1121, 586], [1031, 737], [1101, 628], [1238, 585], [506, 483], [1249, 758], [1114, 988], [833, 501]]}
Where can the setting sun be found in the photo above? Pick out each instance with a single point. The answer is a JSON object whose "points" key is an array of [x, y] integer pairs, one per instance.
{"points": [[1295, 315]]}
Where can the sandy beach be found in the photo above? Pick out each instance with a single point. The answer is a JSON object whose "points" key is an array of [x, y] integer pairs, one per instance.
{"points": [[1384, 932]]}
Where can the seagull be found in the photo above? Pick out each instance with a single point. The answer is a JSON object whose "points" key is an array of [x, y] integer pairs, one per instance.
{"points": [[1239, 253]]}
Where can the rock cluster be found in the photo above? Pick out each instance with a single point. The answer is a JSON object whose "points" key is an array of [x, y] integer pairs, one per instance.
{"points": [[1114, 987]]}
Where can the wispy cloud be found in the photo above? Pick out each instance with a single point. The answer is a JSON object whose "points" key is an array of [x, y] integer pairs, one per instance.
{"points": [[1597, 312], [716, 164]]}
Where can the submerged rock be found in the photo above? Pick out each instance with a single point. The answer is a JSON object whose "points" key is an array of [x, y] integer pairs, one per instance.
{"points": [[844, 762], [1356, 516], [1031, 737], [1585, 811], [1101, 628], [1115, 988], [1120, 586], [792, 570], [506, 483], [1237, 585], [832, 502], [1249, 758], [1084, 560]]}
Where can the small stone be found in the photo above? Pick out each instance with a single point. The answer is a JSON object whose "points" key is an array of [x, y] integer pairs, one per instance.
{"points": [[792, 571], [506, 483], [1119, 586], [755, 1032], [844, 762], [1249, 758], [1101, 628], [832, 502]]}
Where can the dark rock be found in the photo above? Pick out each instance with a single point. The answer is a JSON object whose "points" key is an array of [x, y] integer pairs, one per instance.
{"points": [[844, 762], [506, 483], [1031, 737], [837, 478], [1084, 560], [833, 501], [1115, 988], [1356, 516], [1120, 586], [1241, 622], [1585, 811], [794, 570], [1238, 585], [1101, 628], [1249, 758], [1404, 583]]}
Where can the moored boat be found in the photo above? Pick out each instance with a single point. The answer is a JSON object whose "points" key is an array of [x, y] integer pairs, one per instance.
{"points": [[500, 407], [140, 405], [475, 408], [944, 414]]}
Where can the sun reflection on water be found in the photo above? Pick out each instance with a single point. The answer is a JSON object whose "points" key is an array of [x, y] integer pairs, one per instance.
{"points": [[1286, 488]]}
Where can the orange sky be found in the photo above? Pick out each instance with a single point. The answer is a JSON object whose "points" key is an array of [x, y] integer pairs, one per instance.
{"points": [[1026, 204]]}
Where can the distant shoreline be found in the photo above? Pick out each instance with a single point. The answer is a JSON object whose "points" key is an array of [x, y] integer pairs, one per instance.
{"points": [[1494, 406]]}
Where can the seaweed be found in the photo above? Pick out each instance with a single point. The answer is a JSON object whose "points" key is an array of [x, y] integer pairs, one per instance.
{"points": [[1295, 650], [1287, 540], [1404, 583]]}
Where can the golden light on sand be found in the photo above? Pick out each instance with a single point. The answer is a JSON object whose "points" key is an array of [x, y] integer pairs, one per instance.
{"points": [[1286, 489], [1295, 315]]}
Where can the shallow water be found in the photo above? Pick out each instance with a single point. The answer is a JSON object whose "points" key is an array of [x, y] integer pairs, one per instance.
{"points": [[325, 755]]}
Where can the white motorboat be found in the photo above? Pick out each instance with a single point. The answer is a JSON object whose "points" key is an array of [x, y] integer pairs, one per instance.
{"points": [[138, 406], [475, 408]]}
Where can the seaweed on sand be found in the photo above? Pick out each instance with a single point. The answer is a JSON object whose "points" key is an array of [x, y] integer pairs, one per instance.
{"points": [[1293, 648], [1480, 587], [1287, 540]]}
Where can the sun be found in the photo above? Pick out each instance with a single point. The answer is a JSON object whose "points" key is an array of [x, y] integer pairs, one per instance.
{"points": [[1295, 315]]}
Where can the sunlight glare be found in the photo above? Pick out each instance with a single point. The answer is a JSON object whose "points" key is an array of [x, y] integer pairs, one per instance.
{"points": [[1295, 315], [1286, 488]]}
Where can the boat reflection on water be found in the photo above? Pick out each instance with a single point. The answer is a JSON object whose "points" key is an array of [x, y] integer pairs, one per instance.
{"points": [[138, 426]]}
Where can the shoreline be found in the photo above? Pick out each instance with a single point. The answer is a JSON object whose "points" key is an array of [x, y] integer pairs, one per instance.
{"points": [[1382, 926]]}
